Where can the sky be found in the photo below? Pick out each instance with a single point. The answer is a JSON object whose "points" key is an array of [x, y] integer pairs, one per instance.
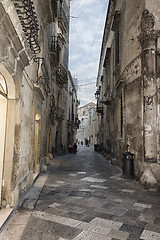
{"points": [[87, 19]]}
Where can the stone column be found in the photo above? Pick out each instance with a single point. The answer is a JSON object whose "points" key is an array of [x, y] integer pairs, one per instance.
{"points": [[148, 39]]}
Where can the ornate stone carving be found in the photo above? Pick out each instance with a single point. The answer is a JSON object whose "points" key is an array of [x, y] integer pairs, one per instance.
{"points": [[148, 100], [148, 34], [147, 21]]}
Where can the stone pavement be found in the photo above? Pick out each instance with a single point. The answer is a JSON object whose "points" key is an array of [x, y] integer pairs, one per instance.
{"points": [[84, 197]]}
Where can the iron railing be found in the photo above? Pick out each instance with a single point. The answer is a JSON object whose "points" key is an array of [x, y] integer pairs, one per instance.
{"points": [[59, 113], [61, 75], [63, 19], [54, 8], [27, 15]]}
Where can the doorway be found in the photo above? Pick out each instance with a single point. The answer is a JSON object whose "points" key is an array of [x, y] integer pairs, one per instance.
{"points": [[36, 163], [3, 114]]}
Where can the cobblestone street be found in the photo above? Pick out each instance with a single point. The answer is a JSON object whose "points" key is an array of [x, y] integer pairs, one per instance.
{"points": [[84, 197]]}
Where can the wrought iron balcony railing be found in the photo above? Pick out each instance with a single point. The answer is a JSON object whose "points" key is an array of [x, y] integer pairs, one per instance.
{"points": [[61, 75], [59, 113], [27, 15], [53, 45], [63, 20], [54, 8]]}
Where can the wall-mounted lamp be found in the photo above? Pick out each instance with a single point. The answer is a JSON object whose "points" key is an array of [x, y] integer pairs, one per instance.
{"points": [[97, 94]]}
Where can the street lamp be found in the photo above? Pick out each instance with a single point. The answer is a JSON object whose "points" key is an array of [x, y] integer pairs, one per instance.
{"points": [[97, 94]]}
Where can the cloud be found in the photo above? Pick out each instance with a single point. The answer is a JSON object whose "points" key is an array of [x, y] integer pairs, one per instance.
{"points": [[86, 33]]}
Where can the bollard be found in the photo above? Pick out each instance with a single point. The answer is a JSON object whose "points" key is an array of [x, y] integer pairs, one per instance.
{"points": [[128, 165]]}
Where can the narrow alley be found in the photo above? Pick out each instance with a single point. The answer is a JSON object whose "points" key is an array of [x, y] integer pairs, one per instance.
{"points": [[83, 197]]}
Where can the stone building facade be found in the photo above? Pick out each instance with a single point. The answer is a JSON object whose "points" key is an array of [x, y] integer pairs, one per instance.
{"points": [[88, 124], [128, 84], [34, 96], [72, 112]]}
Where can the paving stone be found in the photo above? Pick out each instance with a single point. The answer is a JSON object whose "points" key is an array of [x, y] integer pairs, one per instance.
{"points": [[118, 234], [106, 223], [134, 231], [140, 224], [83, 194], [91, 179], [12, 230], [47, 230], [154, 212], [99, 187], [86, 226], [72, 174], [103, 215], [114, 239], [146, 218], [157, 220], [85, 198], [86, 190], [85, 235], [102, 230], [149, 235], [118, 200], [54, 205], [57, 219], [153, 227], [141, 205], [128, 191]]}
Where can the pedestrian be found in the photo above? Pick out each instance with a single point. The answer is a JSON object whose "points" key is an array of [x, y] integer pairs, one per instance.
{"points": [[86, 142], [75, 147]]}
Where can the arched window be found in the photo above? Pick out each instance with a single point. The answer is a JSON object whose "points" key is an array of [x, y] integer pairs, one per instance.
{"points": [[3, 86]]}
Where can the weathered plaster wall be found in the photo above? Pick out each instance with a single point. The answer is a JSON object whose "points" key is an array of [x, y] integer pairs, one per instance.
{"points": [[130, 14], [133, 115]]}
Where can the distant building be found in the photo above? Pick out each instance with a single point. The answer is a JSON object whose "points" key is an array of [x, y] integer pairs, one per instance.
{"points": [[75, 80], [88, 124], [72, 114]]}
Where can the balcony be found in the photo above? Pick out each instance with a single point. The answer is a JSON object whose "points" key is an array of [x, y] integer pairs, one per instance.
{"points": [[61, 75], [54, 8], [77, 122], [74, 122], [53, 50], [59, 113], [28, 18], [53, 45], [100, 109], [63, 20]]}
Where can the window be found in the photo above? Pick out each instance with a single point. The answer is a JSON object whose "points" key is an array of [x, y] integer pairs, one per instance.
{"points": [[117, 48], [3, 86], [115, 28], [120, 117]]}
